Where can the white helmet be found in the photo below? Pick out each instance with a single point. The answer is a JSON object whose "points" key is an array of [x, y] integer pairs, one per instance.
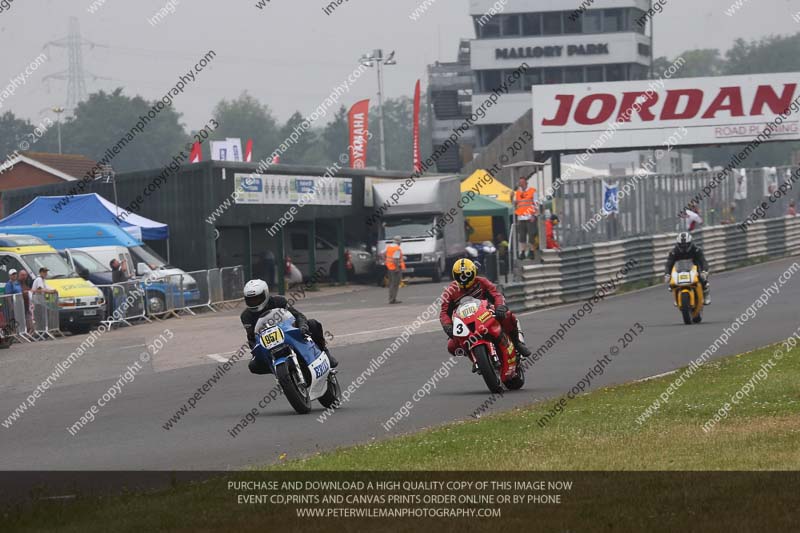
{"points": [[256, 295], [684, 241]]}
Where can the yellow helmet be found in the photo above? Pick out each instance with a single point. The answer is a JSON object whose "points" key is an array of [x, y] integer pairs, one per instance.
{"points": [[465, 273]]}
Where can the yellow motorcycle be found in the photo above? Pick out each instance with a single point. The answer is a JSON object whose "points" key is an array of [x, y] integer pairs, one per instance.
{"points": [[687, 290]]}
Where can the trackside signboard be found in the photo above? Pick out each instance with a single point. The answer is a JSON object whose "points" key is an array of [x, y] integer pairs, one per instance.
{"points": [[640, 114]]}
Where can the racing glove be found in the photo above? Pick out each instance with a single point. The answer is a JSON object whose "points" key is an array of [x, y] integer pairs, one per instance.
{"points": [[448, 329], [304, 329], [500, 312], [704, 275]]}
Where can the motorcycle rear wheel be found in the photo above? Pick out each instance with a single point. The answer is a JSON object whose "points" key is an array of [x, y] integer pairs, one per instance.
{"points": [[686, 309], [491, 375], [296, 393]]}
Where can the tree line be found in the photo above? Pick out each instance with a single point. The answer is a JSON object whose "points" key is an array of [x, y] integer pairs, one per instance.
{"points": [[105, 117]]}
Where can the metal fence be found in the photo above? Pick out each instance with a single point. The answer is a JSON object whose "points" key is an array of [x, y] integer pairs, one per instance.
{"points": [[650, 204], [125, 303], [36, 316], [45, 315], [15, 317], [232, 283]]}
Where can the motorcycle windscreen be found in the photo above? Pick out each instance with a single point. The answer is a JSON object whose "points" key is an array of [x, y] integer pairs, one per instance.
{"points": [[467, 307], [273, 317], [684, 272]]}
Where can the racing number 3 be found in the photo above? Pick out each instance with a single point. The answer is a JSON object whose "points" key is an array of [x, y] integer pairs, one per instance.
{"points": [[460, 328]]}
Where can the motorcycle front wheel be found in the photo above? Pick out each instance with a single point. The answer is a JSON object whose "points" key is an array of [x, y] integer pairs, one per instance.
{"points": [[491, 375], [686, 308], [333, 395], [518, 381], [295, 392]]}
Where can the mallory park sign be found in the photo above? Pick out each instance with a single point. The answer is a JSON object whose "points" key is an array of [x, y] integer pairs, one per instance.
{"points": [[523, 52]]}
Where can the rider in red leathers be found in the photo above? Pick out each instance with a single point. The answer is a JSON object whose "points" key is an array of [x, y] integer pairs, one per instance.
{"points": [[468, 283]]}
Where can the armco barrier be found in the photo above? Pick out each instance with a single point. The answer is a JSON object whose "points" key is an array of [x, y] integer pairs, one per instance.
{"points": [[575, 273]]}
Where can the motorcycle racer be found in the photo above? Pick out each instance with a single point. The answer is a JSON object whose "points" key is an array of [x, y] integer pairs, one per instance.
{"points": [[466, 282], [686, 249], [259, 302]]}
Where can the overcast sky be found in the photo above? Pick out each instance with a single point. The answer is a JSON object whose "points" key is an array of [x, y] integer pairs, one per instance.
{"points": [[290, 54]]}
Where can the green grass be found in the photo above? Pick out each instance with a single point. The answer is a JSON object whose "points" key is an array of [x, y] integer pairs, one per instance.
{"points": [[596, 431]]}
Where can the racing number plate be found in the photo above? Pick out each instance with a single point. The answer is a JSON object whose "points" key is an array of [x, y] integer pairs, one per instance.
{"points": [[272, 337], [467, 310], [684, 277]]}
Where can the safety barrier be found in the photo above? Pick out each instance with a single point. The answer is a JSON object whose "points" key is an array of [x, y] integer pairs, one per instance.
{"points": [[232, 284], [45, 315], [576, 273], [14, 318], [202, 286], [125, 302]]}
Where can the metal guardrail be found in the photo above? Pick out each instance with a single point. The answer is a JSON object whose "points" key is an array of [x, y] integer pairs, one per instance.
{"points": [[576, 273]]}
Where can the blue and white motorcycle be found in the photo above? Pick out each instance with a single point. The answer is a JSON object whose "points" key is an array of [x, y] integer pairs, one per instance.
{"points": [[303, 370]]}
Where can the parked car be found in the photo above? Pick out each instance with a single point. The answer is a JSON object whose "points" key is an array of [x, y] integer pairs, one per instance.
{"points": [[358, 260], [88, 267]]}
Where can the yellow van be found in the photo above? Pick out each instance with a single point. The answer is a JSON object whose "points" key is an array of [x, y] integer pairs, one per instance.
{"points": [[80, 303]]}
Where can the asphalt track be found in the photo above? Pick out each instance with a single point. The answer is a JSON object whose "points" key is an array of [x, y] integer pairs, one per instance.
{"points": [[128, 433]]}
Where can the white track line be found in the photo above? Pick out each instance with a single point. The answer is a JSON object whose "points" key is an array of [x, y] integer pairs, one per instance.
{"points": [[656, 376], [220, 357], [381, 330]]}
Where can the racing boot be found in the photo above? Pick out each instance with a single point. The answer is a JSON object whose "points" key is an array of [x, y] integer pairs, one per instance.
{"points": [[519, 344], [706, 295], [258, 367]]}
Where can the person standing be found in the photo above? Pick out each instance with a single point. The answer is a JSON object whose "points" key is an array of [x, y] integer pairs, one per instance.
{"points": [[692, 217], [395, 264], [24, 283], [549, 230], [40, 283], [119, 271], [13, 285], [792, 211], [525, 210], [39, 292]]}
